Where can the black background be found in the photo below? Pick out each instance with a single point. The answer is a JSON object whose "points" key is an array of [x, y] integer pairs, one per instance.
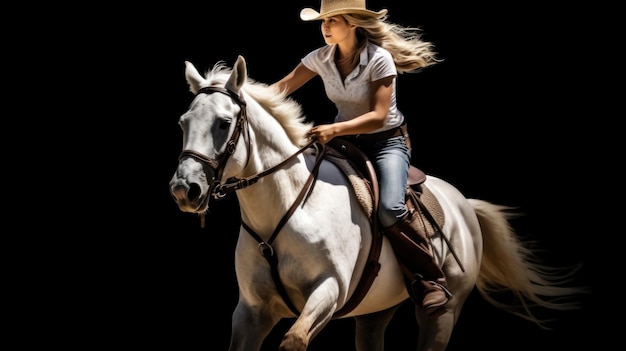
{"points": [[494, 119]]}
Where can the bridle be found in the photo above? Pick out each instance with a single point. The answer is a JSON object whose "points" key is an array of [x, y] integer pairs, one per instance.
{"points": [[219, 189], [216, 189]]}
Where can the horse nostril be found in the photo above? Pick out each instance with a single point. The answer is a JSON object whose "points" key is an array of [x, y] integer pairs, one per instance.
{"points": [[178, 193], [194, 191]]}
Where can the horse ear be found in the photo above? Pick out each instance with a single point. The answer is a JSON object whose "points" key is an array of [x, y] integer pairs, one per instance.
{"points": [[193, 77], [238, 77]]}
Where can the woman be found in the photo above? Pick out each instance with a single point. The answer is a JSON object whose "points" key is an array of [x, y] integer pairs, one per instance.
{"points": [[358, 66]]}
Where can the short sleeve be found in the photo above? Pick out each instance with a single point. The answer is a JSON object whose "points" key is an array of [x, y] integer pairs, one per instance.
{"points": [[383, 66]]}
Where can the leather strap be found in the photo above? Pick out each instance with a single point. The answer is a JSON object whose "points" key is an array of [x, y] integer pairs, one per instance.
{"points": [[267, 251]]}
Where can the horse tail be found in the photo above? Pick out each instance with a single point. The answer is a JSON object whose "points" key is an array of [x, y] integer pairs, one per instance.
{"points": [[512, 277]]}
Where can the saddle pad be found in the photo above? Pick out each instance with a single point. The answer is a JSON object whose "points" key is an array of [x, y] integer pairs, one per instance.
{"points": [[431, 204], [359, 184]]}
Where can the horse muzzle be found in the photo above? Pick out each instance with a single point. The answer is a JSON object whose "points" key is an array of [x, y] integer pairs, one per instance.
{"points": [[189, 199], [190, 189]]}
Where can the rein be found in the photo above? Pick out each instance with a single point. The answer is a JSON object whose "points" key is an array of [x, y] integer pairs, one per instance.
{"points": [[233, 184]]}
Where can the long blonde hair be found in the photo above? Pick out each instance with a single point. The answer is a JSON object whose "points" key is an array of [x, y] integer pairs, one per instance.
{"points": [[410, 53]]}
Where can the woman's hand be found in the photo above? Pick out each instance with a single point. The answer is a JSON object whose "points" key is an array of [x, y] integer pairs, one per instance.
{"points": [[323, 133]]}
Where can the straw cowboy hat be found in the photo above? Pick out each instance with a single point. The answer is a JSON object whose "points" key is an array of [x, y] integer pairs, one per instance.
{"points": [[337, 7]]}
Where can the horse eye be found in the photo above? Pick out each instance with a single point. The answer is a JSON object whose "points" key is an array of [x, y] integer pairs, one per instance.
{"points": [[225, 125]]}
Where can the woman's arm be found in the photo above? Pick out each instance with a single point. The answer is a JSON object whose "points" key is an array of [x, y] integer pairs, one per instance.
{"points": [[295, 79]]}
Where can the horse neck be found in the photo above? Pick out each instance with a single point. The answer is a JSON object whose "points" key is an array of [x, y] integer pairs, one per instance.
{"points": [[264, 203]]}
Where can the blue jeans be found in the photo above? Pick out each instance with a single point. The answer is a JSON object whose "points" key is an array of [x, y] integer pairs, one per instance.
{"points": [[391, 159]]}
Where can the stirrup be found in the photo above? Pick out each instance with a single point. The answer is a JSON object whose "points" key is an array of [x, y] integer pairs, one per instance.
{"points": [[443, 287], [436, 309], [420, 278], [417, 294]]}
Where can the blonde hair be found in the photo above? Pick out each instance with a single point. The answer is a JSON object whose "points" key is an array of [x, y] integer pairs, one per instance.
{"points": [[410, 53]]}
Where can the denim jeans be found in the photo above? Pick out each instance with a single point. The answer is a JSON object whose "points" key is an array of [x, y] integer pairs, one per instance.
{"points": [[391, 159]]}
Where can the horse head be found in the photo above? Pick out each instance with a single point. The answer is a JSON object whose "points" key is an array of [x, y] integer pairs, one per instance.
{"points": [[211, 129]]}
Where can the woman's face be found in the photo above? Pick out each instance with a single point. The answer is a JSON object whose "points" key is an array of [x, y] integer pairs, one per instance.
{"points": [[336, 29]]}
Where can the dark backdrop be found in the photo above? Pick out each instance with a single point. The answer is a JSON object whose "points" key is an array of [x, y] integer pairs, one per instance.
{"points": [[494, 119]]}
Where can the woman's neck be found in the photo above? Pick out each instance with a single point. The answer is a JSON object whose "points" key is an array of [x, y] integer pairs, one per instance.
{"points": [[346, 48], [344, 60]]}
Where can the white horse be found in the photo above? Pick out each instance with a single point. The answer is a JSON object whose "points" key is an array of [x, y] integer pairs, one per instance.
{"points": [[306, 240]]}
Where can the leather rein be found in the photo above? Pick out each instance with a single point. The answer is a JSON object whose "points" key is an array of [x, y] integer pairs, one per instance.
{"points": [[219, 189]]}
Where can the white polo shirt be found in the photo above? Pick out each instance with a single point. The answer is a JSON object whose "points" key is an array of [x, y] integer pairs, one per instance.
{"points": [[351, 97]]}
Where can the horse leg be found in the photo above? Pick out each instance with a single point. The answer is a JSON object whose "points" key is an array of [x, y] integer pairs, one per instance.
{"points": [[317, 312], [370, 329], [250, 326], [434, 333]]}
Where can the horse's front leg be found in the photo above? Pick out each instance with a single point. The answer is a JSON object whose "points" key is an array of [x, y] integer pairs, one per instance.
{"points": [[250, 326], [317, 312]]}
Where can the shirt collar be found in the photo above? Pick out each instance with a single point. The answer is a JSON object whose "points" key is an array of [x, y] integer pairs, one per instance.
{"points": [[363, 57]]}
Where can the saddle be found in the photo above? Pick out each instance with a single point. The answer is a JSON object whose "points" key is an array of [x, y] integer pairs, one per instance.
{"points": [[359, 170]]}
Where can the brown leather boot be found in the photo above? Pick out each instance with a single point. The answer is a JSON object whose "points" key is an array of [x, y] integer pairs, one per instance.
{"points": [[426, 281]]}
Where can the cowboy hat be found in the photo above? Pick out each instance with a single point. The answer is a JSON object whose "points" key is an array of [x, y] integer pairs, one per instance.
{"points": [[337, 7]]}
